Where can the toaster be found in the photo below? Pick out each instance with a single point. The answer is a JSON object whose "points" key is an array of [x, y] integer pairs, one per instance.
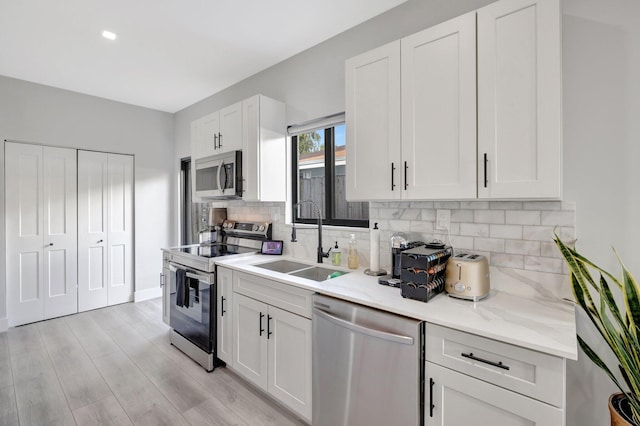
{"points": [[467, 276]]}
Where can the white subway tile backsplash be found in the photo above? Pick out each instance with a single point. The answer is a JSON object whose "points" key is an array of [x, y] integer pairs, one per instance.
{"points": [[542, 205], [522, 217], [531, 248], [543, 264], [488, 216], [558, 218], [507, 260], [512, 232], [505, 205], [489, 244], [461, 215], [474, 229], [474, 205]]}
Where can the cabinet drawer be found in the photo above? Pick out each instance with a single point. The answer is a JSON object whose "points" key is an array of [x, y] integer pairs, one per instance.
{"points": [[283, 296], [525, 371]]}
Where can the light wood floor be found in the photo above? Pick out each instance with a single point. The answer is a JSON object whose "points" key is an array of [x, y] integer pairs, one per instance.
{"points": [[115, 366]]}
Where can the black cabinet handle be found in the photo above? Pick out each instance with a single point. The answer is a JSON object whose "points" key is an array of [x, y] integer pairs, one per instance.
{"points": [[431, 406], [222, 306], [393, 170], [406, 185], [219, 140], [215, 141], [261, 329], [498, 364], [485, 169], [269, 332]]}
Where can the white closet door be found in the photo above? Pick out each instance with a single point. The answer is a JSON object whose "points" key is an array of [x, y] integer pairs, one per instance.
{"points": [[92, 230], [120, 229], [24, 230], [60, 260]]}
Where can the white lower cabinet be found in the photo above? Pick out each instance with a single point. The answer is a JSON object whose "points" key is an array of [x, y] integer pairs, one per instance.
{"points": [[224, 325], [272, 347], [474, 380], [455, 399]]}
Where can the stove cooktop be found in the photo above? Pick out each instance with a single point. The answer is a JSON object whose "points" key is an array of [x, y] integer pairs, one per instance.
{"points": [[215, 250]]}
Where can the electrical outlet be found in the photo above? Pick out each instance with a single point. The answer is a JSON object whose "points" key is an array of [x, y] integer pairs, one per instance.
{"points": [[443, 219]]}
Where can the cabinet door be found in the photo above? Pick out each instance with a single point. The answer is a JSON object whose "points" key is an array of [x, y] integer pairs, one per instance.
{"points": [[372, 105], [92, 230], [60, 232], [224, 325], [289, 375], [120, 228], [250, 338], [460, 400], [439, 110], [519, 100], [230, 135], [207, 134]]}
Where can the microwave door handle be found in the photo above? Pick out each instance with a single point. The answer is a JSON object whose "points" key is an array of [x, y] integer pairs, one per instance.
{"points": [[223, 174], [220, 170]]}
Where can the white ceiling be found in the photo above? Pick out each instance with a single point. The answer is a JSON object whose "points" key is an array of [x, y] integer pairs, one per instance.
{"points": [[169, 54]]}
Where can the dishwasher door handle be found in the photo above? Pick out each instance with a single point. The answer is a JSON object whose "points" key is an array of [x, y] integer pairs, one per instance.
{"points": [[405, 340]]}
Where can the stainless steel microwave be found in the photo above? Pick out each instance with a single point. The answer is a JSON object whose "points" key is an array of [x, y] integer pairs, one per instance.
{"points": [[219, 176]]}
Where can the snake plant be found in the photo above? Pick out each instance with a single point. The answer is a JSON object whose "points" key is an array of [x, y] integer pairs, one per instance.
{"points": [[619, 324]]}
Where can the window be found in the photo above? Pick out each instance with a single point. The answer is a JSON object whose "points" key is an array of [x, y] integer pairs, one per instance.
{"points": [[319, 163]]}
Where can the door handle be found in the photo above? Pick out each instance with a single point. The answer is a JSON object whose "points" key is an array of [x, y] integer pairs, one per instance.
{"points": [[269, 332], [50, 244], [99, 241], [406, 185], [393, 169], [431, 406], [219, 140], [261, 329], [215, 141], [405, 340], [486, 160], [222, 307]]}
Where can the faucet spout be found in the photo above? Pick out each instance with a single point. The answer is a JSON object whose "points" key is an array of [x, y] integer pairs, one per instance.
{"points": [[321, 253]]}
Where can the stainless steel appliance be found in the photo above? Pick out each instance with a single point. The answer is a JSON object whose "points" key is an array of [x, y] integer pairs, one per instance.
{"points": [[467, 276], [192, 312], [219, 176], [368, 366]]}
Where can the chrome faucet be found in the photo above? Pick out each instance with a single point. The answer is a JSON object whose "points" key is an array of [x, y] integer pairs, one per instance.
{"points": [[321, 253]]}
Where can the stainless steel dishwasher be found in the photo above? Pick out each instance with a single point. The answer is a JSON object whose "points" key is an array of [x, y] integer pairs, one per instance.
{"points": [[368, 366]]}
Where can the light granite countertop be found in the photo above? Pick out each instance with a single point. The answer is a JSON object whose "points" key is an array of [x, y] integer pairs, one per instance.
{"points": [[524, 308]]}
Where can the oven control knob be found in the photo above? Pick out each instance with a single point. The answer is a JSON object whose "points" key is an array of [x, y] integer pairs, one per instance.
{"points": [[261, 228], [254, 227]]}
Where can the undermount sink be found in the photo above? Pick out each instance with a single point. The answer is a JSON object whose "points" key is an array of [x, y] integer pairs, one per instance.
{"points": [[317, 273], [301, 270], [283, 266]]}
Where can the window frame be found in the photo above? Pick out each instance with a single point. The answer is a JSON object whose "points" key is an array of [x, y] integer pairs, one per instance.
{"points": [[329, 195]]}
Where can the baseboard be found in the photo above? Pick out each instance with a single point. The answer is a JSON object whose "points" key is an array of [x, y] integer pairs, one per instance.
{"points": [[4, 324], [146, 294]]}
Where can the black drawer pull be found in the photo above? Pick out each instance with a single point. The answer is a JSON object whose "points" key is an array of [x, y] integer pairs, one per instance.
{"points": [[393, 169], [269, 332], [261, 329], [498, 364], [222, 306], [486, 160], [431, 406]]}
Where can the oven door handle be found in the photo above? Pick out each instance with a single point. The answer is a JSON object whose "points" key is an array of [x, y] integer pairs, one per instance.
{"points": [[190, 274]]}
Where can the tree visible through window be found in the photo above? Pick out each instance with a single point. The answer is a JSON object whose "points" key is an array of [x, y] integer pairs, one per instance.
{"points": [[319, 162]]}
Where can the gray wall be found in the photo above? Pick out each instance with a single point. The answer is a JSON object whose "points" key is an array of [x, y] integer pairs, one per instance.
{"points": [[601, 61], [49, 116]]}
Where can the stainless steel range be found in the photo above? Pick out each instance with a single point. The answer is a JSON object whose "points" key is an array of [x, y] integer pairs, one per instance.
{"points": [[192, 314]]}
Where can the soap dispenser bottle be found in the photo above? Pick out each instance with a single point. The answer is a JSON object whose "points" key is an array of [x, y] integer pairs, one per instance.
{"points": [[336, 256], [352, 258]]}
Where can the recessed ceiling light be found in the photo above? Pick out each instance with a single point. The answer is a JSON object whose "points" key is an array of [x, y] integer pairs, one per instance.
{"points": [[109, 35]]}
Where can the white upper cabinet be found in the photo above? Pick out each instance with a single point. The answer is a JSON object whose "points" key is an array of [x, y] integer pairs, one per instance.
{"points": [[372, 114], [417, 130], [520, 100], [230, 133], [264, 149], [439, 111], [217, 133]]}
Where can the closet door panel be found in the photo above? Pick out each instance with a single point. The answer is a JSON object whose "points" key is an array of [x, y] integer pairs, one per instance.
{"points": [[60, 232], [92, 230], [24, 224], [120, 228]]}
